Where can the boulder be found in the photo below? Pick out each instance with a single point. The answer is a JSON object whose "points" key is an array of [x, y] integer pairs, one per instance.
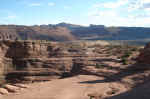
{"points": [[21, 85], [11, 88], [3, 91]]}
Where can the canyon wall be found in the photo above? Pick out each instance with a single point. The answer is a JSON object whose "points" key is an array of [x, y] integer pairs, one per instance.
{"points": [[42, 61]]}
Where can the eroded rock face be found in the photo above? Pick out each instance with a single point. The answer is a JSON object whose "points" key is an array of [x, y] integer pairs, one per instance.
{"points": [[33, 61], [144, 57], [42, 61]]}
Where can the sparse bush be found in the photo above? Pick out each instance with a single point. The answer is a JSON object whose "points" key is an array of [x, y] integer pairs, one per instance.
{"points": [[99, 65], [134, 49], [124, 61], [124, 58]]}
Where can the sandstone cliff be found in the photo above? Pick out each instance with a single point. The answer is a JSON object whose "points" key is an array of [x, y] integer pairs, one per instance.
{"points": [[42, 61], [39, 61]]}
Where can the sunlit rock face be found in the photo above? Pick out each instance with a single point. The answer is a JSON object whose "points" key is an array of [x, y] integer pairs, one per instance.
{"points": [[33, 60], [42, 61]]}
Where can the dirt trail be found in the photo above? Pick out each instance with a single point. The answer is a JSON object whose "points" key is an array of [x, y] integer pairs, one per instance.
{"points": [[69, 88]]}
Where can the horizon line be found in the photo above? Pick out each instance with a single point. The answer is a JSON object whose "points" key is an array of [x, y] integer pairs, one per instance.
{"points": [[74, 24]]}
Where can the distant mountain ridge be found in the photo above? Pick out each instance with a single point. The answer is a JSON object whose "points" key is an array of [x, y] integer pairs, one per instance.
{"points": [[68, 32]]}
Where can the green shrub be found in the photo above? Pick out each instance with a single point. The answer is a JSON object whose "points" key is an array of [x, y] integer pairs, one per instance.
{"points": [[124, 58], [124, 61], [99, 65]]}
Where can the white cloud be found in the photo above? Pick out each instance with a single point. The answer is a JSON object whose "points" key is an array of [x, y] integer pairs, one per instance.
{"points": [[147, 10], [35, 4], [139, 5], [111, 4], [11, 17], [121, 13], [132, 5], [145, 1], [115, 4], [113, 18], [7, 15], [51, 4]]}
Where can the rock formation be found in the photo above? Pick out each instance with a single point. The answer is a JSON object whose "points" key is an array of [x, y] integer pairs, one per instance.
{"points": [[145, 55], [42, 61]]}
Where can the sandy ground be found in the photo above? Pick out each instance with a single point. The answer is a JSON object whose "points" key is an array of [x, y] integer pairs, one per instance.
{"points": [[77, 87]]}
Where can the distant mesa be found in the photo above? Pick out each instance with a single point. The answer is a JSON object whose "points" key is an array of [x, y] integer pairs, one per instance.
{"points": [[70, 32]]}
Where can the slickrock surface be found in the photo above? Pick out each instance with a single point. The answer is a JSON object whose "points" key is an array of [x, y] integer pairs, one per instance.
{"points": [[11, 88], [69, 88], [3, 91]]}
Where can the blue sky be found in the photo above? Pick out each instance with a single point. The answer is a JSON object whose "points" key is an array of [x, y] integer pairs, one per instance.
{"points": [[84, 12]]}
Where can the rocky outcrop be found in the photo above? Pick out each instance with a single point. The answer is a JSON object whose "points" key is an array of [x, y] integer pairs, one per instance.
{"points": [[145, 55], [7, 88], [3, 91], [41, 61], [11, 88], [33, 61]]}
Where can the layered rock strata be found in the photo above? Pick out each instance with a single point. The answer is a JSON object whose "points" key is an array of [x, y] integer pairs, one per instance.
{"points": [[42, 61]]}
